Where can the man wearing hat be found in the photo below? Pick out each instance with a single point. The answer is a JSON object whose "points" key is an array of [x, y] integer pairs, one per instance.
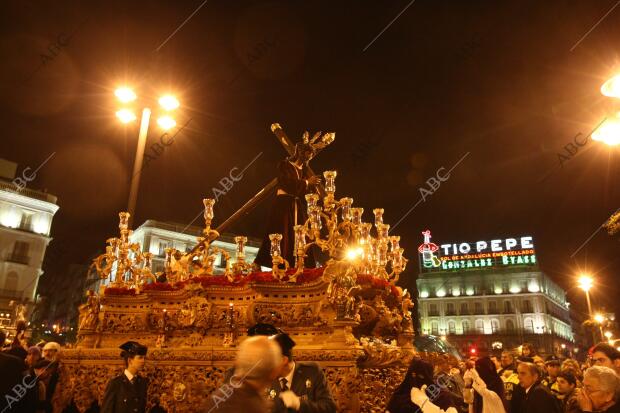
{"points": [[300, 386], [126, 393], [552, 366]]}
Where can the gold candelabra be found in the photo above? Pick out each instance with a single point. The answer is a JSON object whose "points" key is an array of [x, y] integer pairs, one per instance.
{"points": [[338, 228]]}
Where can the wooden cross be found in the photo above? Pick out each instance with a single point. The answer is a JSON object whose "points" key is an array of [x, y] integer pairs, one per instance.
{"points": [[289, 146]]}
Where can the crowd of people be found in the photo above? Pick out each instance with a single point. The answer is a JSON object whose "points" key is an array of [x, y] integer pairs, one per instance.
{"points": [[267, 378], [28, 376], [512, 383]]}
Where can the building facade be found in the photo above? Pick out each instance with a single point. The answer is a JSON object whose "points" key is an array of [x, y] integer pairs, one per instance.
{"points": [[491, 294], [25, 222]]}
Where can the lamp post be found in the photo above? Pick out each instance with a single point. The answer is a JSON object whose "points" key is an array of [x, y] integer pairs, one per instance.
{"points": [[585, 283], [126, 115]]}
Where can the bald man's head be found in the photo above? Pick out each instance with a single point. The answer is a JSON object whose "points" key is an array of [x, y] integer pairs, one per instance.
{"points": [[258, 359]]}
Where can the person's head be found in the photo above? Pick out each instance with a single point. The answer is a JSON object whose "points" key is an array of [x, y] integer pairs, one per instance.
{"points": [[540, 363], [304, 152], [607, 356], [420, 373], [134, 355], [286, 344], [507, 359], [527, 350], [552, 365], [574, 367], [566, 381], [34, 355], [258, 361], [600, 384], [528, 374], [50, 351], [496, 362], [41, 369]]}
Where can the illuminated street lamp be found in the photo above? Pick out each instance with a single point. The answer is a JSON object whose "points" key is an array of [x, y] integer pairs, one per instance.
{"points": [[611, 88], [609, 131], [599, 318], [126, 115], [608, 334], [585, 283]]}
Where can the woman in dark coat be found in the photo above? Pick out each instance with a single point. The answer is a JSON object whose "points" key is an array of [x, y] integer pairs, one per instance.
{"points": [[289, 208], [420, 373]]}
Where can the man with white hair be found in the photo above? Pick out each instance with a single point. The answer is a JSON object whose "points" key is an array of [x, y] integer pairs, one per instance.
{"points": [[257, 364], [50, 351], [599, 391]]}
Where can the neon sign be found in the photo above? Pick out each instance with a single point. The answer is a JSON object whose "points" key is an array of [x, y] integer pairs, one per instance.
{"points": [[477, 255]]}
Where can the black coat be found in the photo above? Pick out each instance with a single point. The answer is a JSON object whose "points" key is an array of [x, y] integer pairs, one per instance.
{"points": [[11, 369], [282, 214], [538, 400], [121, 396], [310, 385]]}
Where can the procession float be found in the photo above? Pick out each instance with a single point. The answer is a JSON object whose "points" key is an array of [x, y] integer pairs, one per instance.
{"points": [[348, 315]]}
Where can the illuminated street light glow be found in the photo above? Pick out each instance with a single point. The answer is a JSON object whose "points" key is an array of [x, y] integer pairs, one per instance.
{"points": [[608, 334], [599, 318], [611, 88], [166, 122], [126, 115], [125, 94], [169, 102], [585, 282], [609, 131]]}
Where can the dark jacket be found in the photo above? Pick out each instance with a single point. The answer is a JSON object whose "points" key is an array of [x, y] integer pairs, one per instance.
{"points": [[538, 400], [11, 369], [310, 385], [244, 399], [121, 396]]}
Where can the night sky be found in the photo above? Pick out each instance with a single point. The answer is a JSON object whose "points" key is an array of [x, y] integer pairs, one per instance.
{"points": [[502, 86]]}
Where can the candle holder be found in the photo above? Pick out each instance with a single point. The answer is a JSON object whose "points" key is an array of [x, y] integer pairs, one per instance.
{"points": [[208, 213], [315, 221], [330, 189], [240, 266], [311, 201], [378, 216], [356, 214], [394, 243], [279, 264], [345, 204], [383, 231], [300, 250]]}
